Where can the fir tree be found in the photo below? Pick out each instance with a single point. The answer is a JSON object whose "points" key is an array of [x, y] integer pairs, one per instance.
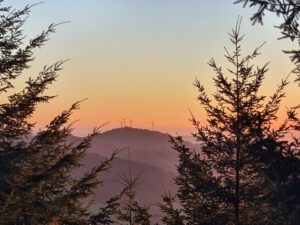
{"points": [[36, 180], [238, 177], [288, 11], [171, 215], [130, 211]]}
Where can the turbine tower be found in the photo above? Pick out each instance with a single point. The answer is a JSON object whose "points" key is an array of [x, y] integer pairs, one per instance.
{"points": [[152, 124], [130, 122], [124, 121]]}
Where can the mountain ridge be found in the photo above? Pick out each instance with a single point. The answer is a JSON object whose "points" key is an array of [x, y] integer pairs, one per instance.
{"points": [[150, 147]]}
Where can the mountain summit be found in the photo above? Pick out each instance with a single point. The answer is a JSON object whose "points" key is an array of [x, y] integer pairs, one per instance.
{"points": [[150, 147]]}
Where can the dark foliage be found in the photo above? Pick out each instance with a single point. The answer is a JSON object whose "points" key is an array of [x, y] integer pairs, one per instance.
{"points": [[247, 169], [171, 216], [289, 11], [36, 185], [130, 211]]}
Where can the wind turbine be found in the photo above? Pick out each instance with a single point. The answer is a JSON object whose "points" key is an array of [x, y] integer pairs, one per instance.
{"points": [[130, 122], [121, 123], [152, 124], [124, 121]]}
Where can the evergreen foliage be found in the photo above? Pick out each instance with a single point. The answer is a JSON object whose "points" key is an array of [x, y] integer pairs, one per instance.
{"points": [[289, 12], [36, 182], [245, 170], [171, 215], [130, 211]]}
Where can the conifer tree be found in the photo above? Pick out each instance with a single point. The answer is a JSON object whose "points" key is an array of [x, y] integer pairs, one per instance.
{"points": [[130, 210], [36, 183], [238, 177], [170, 215], [288, 11]]}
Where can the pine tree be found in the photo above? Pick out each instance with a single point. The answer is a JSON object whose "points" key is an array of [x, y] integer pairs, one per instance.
{"points": [[238, 176], [171, 215], [197, 188], [36, 182], [131, 211], [288, 11]]}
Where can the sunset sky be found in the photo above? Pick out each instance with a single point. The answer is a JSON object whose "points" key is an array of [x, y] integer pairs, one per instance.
{"points": [[139, 58]]}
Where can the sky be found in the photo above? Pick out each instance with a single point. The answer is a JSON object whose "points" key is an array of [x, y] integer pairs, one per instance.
{"points": [[138, 59]]}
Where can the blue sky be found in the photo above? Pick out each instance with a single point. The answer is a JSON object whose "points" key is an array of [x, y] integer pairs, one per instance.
{"points": [[139, 58]]}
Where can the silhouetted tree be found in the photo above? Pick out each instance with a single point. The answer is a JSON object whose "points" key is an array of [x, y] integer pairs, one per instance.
{"points": [[170, 215], [36, 185], [130, 211], [236, 177], [288, 11], [107, 215]]}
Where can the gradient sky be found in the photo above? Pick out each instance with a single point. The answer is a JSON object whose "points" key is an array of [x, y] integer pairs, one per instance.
{"points": [[139, 58]]}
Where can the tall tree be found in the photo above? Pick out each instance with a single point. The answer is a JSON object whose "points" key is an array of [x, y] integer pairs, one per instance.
{"points": [[235, 177], [36, 183], [288, 11]]}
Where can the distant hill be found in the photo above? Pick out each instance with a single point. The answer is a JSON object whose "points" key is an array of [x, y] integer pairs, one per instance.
{"points": [[189, 138], [154, 180], [150, 147], [151, 154]]}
